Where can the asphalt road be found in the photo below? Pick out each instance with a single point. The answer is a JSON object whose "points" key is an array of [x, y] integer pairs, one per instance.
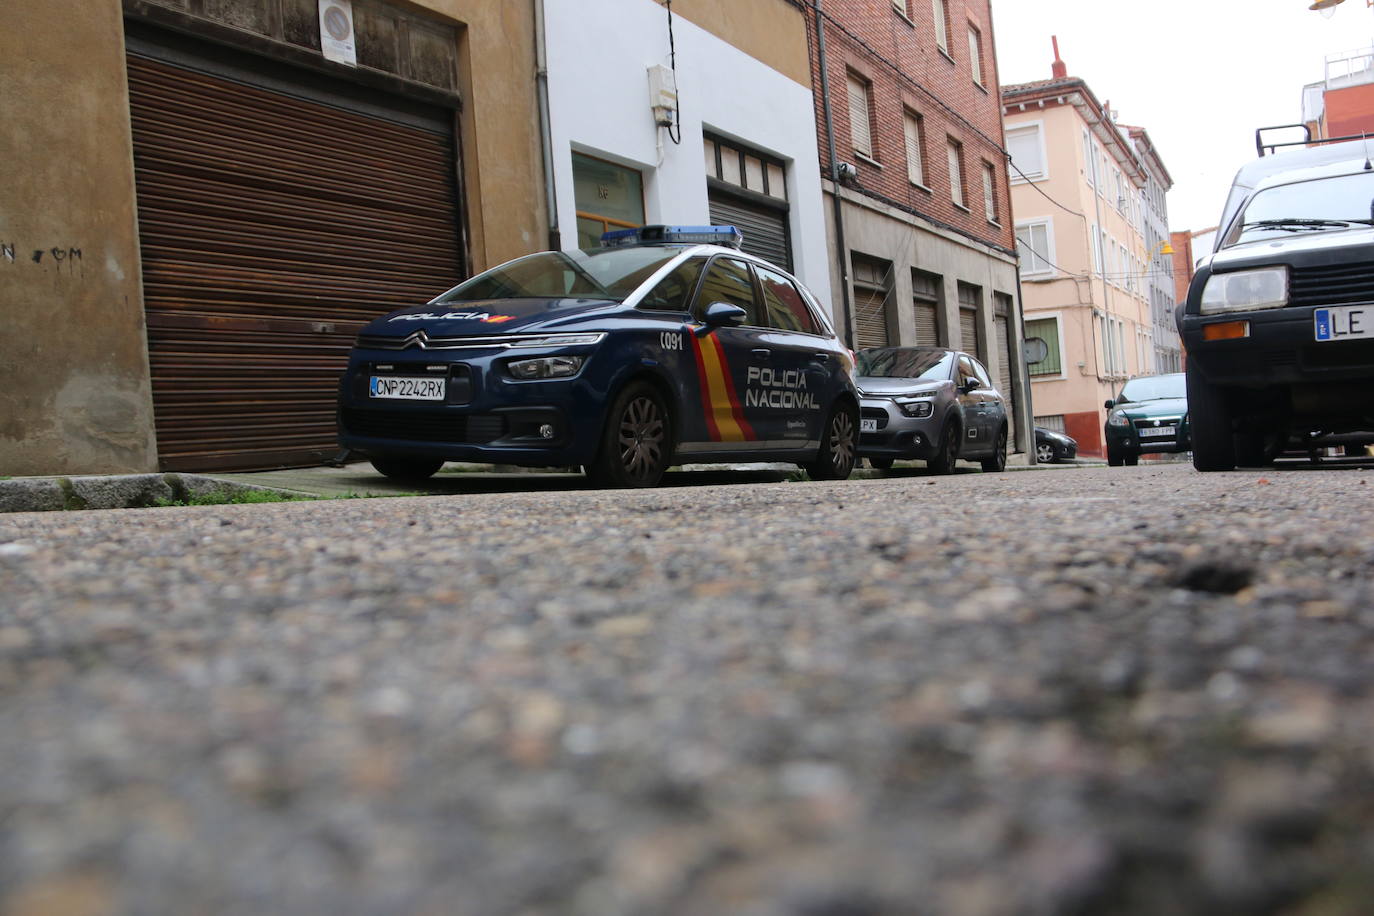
{"points": [[1127, 691]]}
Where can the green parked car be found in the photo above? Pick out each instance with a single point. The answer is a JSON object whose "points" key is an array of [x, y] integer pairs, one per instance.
{"points": [[1149, 415]]}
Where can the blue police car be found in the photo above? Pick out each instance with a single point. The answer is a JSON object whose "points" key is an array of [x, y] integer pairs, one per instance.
{"points": [[666, 345]]}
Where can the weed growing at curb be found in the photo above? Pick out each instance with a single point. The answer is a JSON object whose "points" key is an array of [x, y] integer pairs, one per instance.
{"points": [[230, 498]]}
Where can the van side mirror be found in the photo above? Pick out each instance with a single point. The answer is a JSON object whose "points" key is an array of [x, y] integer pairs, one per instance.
{"points": [[1109, 404]]}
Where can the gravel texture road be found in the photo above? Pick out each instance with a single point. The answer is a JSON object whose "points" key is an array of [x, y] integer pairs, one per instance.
{"points": [[1127, 691]]}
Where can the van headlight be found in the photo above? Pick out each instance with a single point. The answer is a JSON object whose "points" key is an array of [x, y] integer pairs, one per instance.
{"points": [[1244, 290], [545, 367], [1118, 418]]}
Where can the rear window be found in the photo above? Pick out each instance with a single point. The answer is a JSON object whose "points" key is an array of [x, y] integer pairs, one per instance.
{"points": [[786, 308]]}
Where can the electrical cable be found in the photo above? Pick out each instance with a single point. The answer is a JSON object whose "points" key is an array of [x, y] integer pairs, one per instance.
{"points": [[677, 94]]}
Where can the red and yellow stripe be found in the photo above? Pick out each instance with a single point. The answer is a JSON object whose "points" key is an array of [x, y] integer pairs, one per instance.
{"points": [[724, 413]]}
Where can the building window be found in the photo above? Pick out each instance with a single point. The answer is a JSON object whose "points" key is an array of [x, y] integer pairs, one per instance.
{"points": [[900, 7], [955, 150], [872, 287], [1027, 149], [1087, 157], [927, 292], [975, 54], [745, 168], [1047, 329], [1034, 243], [941, 14], [607, 196], [860, 122], [989, 192], [915, 146]]}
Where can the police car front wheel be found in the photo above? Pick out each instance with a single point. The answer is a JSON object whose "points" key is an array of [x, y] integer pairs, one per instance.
{"points": [[839, 441], [637, 441]]}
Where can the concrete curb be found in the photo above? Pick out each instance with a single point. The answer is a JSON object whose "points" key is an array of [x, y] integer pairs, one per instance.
{"points": [[117, 491]]}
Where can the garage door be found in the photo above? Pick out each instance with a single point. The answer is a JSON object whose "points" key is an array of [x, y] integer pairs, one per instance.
{"points": [[275, 219], [764, 228]]}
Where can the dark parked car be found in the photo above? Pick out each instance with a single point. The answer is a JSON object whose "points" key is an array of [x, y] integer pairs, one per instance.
{"points": [[930, 403], [665, 345], [1279, 319], [1149, 415], [1051, 446]]}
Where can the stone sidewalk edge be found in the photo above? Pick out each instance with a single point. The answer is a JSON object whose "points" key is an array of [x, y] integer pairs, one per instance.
{"points": [[119, 491]]}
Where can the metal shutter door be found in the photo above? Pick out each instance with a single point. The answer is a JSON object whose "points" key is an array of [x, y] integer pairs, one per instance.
{"points": [[968, 331], [927, 325], [1003, 355], [870, 318], [765, 229], [272, 227]]}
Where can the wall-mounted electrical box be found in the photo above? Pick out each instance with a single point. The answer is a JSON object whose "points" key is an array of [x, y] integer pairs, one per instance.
{"points": [[662, 95]]}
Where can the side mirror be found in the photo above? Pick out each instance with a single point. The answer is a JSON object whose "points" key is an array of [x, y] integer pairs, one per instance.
{"points": [[971, 384], [1109, 404], [723, 314]]}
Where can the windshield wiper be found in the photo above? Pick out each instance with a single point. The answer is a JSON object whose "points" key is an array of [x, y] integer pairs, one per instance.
{"points": [[1298, 224]]}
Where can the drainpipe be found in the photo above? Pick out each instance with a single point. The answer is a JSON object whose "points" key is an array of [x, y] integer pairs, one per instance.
{"points": [[541, 78], [841, 255]]}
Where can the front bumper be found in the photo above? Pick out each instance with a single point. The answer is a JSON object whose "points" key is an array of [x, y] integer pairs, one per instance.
{"points": [[897, 435], [486, 418], [1138, 438], [1281, 349]]}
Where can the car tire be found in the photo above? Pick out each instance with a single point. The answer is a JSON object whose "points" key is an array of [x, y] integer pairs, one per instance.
{"points": [[946, 450], [636, 440], [1045, 454], [1209, 416], [1131, 459], [881, 464], [997, 462], [406, 468], [1115, 458], [839, 443]]}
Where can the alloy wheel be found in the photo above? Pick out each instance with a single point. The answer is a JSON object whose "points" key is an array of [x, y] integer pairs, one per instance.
{"points": [[641, 438]]}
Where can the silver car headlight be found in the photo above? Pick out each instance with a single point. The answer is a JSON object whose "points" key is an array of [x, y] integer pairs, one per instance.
{"points": [[545, 367], [1118, 418], [1244, 290], [915, 407]]}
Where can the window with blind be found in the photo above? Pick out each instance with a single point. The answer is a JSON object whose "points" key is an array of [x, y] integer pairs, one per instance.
{"points": [[1046, 329], [915, 156], [860, 123], [1027, 152], [975, 54], [970, 300], [941, 15], [989, 193], [955, 151], [872, 327]]}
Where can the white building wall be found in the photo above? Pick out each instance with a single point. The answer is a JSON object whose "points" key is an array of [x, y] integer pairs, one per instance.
{"points": [[599, 52]]}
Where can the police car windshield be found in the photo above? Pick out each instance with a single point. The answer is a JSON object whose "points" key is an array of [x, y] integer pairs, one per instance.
{"points": [[612, 275], [928, 363], [1308, 206]]}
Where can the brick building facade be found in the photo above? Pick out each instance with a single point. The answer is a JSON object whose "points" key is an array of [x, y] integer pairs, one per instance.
{"points": [[907, 97]]}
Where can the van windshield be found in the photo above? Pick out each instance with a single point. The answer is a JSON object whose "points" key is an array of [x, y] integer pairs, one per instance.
{"points": [[1316, 205]]}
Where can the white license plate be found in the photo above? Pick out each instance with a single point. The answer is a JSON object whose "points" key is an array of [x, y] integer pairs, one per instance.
{"points": [[1153, 431], [1345, 322], [868, 426], [407, 389]]}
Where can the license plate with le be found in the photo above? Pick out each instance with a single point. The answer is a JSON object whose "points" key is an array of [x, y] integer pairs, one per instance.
{"points": [[1345, 322], [1157, 431]]}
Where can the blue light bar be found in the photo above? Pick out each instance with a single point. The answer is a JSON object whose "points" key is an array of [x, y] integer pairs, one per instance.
{"points": [[729, 236]]}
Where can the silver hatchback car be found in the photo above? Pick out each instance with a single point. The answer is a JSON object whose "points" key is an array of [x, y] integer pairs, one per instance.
{"points": [[930, 403]]}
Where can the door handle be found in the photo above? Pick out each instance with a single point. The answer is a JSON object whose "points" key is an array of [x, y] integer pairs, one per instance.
{"points": [[820, 356], [762, 352]]}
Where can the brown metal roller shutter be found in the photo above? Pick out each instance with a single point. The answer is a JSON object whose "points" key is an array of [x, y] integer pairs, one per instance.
{"points": [[870, 318], [272, 227], [1003, 355], [927, 325], [765, 229], [968, 332]]}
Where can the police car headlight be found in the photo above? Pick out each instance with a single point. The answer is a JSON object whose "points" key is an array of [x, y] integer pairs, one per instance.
{"points": [[1243, 290], [558, 340], [913, 407], [545, 367], [1118, 418]]}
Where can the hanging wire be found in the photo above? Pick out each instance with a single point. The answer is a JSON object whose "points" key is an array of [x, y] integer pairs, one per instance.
{"points": [[675, 129]]}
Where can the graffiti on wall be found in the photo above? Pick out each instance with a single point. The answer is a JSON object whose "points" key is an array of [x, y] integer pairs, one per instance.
{"points": [[58, 255]]}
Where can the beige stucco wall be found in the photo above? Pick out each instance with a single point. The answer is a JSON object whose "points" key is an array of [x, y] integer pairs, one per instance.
{"points": [[74, 387], [502, 164], [75, 393], [770, 31]]}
